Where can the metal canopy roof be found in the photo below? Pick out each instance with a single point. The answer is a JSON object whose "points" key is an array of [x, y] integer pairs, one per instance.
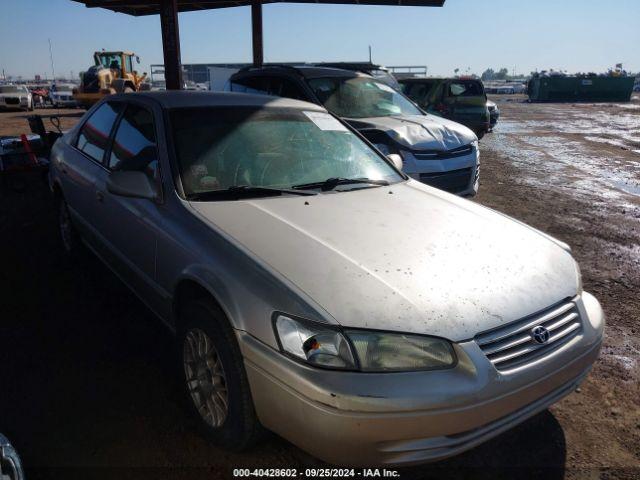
{"points": [[168, 10], [150, 7]]}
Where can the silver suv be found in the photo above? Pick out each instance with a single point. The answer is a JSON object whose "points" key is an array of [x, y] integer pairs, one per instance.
{"points": [[316, 290]]}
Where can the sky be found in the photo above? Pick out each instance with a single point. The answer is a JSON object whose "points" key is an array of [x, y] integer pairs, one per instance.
{"points": [[472, 35]]}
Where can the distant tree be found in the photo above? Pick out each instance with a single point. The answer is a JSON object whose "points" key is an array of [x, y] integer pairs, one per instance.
{"points": [[456, 71], [502, 74], [488, 74]]}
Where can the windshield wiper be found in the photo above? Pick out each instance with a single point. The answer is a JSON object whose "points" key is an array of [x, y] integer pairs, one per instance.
{"points": [[244, 191], [331, 183]]}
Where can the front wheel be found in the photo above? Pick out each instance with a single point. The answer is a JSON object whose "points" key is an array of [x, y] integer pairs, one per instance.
{"points": [[215, 382]]}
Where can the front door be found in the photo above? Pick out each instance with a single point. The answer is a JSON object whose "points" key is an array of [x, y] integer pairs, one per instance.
{"points": [[130, 225]]}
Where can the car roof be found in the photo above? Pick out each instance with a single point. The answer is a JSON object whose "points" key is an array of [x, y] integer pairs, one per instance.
{"points": [[421, 79], [169, 99], [307, 71], [437, 79]]}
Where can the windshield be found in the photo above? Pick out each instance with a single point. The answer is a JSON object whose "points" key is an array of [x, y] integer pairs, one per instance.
{"points": [[361, 97], [11, 89], [110, 60], [223, 147]]}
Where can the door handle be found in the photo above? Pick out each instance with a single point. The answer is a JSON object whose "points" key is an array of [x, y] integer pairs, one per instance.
{"points": [[61, 165], [99, 196]]}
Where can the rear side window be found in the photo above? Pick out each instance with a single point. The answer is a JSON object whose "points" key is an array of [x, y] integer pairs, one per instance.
{"points": [[283, 87], [94, 134], [465, 89], [418, 91], [263, 85], [258, 85], [134, 144]]}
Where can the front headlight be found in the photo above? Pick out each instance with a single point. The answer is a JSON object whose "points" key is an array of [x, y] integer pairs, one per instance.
{"points": [[314, 343], [364, 350], [385, 352]]}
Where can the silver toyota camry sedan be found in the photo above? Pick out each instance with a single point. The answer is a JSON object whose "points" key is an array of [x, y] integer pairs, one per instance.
{"points": [[314, 289]]}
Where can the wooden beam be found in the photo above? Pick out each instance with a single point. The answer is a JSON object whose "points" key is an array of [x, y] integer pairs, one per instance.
{"points": [[256, 30], [171, 44]]}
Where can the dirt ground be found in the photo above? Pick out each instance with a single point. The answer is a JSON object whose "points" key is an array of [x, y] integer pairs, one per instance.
{"points": [[14, 122], [87, 386]]}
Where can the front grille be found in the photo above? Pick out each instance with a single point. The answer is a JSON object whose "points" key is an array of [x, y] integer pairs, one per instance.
{"points": [[453, 181], [12, 100], [513, 345], [443, 154]]}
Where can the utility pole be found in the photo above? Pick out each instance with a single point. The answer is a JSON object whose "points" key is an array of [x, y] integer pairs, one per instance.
{"points": [[370, 54], [53, 71]]}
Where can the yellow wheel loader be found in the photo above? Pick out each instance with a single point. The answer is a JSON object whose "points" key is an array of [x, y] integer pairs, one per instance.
{"points": [[112, 73]]}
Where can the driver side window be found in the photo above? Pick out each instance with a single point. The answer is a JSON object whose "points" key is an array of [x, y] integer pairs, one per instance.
{"points": [[134, 144]]}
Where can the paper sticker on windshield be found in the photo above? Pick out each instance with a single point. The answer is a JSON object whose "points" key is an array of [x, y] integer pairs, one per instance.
{"points": [[324, 121]]}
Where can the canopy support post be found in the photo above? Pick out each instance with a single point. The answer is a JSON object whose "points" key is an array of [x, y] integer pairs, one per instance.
{"points": [[256, 30], [171, 44]]}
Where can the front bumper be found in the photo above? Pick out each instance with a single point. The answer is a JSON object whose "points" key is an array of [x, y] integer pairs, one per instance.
{"points": [[494, 118], [360, 419], [458, 175], [14, 102]]}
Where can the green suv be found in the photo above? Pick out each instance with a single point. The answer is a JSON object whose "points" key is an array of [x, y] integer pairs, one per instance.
{"points": [[459, 99]]}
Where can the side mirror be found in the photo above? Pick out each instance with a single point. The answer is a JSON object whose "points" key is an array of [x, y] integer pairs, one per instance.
{"points": [[130, 183], [396, 160]]}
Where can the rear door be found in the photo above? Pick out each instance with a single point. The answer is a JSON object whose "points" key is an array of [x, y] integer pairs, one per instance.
{"points": [[467, 101], [82, 164]]}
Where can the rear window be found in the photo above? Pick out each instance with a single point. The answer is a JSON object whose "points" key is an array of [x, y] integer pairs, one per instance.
{"points": [[466, 88], [94, 135]]}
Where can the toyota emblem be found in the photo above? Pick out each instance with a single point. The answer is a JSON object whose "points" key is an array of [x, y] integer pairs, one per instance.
{"points": [[540, 334]]}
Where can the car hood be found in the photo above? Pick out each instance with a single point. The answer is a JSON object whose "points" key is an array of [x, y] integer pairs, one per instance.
{"points": [[405, 258], [418, 132]]}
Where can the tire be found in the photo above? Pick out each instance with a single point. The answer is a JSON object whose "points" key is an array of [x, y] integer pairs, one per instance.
{"points": [[69, 236], [220, 381]]}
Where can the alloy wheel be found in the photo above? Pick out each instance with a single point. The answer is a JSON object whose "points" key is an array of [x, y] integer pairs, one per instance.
{"points": [[205, 377]]}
